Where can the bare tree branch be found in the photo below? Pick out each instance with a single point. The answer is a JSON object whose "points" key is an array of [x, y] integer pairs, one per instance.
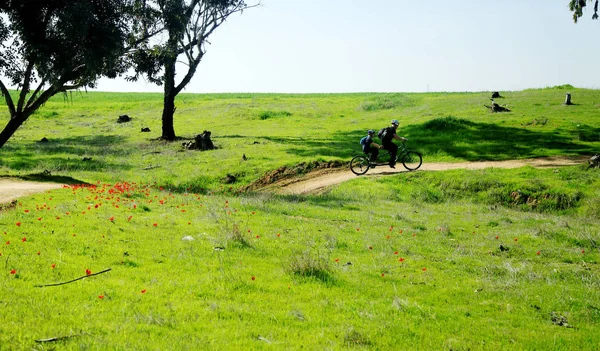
{"points": [[34, 95], [25, 87], [8, 98], [74, 280]]}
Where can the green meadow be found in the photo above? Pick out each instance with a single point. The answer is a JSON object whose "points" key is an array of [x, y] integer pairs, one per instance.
{"points": [[175, 255]]}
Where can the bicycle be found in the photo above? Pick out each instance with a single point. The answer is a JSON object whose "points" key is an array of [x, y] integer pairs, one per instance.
{"points": [[411, 160]]}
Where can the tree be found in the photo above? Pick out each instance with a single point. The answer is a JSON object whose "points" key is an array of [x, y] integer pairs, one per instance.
{"points": [[577, 6], [187, 25], [53, 46]]}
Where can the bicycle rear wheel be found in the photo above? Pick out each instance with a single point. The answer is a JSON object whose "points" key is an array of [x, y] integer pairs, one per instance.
{"points": [[412, 160], [359, 165]]}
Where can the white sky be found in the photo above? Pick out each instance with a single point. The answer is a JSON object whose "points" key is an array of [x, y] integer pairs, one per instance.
{"points": [[323, 46]]}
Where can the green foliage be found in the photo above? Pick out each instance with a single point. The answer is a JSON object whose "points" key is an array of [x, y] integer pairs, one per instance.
{"points": [[273, 114]]}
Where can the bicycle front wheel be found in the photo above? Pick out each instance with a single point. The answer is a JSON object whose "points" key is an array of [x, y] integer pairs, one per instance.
{"points": [[359, 165], [412, 160]]}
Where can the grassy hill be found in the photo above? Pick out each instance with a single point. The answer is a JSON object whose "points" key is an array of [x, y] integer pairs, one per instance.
{"points": [[276, 129], [481, 260]]}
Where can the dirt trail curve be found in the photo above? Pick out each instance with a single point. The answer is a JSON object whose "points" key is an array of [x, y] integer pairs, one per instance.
{"points": [[318, 181], [11, 189]]}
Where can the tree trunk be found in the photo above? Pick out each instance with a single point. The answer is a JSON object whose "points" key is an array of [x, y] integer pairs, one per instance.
{"points": [[11, 128], [168, 132], [568, 99]]}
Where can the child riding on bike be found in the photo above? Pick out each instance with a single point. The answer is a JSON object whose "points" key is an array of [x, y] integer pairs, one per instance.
{"points": [[369, 147]]}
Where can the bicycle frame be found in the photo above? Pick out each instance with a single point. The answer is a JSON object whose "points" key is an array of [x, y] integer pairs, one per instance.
{"points": [[402, 150]]}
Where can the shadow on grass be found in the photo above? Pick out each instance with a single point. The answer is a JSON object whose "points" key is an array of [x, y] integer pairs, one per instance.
{"points": [[458, 138], [64, 154], [473, 141]]}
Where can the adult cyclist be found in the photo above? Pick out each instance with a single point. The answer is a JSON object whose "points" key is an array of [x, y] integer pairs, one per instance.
{"points": [[387, 135]]}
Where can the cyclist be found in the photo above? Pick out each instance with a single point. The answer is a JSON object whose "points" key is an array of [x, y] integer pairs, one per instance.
{"points": [[369, 147], [387, 135]]}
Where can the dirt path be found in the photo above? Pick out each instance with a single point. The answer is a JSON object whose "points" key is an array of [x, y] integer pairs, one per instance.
{"points": [[317, 182], [11, 189]]}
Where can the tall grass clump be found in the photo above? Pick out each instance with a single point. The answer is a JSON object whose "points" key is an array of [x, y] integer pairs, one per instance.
{"points": [[387, 102], [264, 115], [310, 265], [446, 124]]}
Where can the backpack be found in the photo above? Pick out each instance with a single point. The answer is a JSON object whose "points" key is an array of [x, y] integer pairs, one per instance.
{"points": [[363, 141], [385, 135]]}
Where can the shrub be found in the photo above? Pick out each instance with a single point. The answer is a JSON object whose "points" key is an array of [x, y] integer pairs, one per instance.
{"points": [[273, 114]]}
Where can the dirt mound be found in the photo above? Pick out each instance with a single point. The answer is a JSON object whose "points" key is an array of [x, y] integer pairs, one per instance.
{"points": [[292, 172]]}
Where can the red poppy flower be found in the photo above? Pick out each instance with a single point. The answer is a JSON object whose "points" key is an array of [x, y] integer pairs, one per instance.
{"points": [[278, 234], [8, 243], [401, 259], [13, 271], [253, 278], [496, 236], [258, 236], [337, 260], [424, 269], [26, 211], [537, 253], [39, 218], [24, 239], [100, 296], [143, 291], [18, 224], [155, 224], [395, 252], [38, 253], [88, 272], [383, 274], [253, 212], [112, 218], [53, 265], [582, 251]]}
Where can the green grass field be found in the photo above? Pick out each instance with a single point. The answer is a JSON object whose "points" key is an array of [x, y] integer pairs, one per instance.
{"points": [[455, 260]]}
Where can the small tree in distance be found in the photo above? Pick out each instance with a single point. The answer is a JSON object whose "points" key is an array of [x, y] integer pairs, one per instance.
{"points": [[187, 25], [53, 46], [577, 6]]}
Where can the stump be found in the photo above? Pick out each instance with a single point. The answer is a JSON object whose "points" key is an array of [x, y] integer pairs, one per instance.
{"points": [[203, 141], [123, 119], [594, 161], [497, 108], [568, 99]]}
